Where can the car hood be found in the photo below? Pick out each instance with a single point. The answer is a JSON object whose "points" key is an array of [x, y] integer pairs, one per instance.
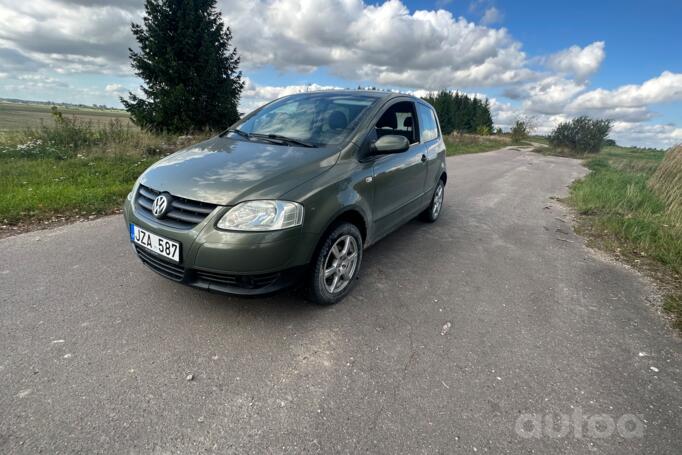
{"points": [[226, 171]]}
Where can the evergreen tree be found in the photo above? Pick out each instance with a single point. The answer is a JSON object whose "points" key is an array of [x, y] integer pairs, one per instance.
{"points": [[458, 112], [483, 122], [190, 70]]}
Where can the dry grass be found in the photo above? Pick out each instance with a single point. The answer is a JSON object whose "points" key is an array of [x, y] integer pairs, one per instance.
{"points": [[18, 116], [74, 167], [631, 204], [667, 183], [460, 144]]}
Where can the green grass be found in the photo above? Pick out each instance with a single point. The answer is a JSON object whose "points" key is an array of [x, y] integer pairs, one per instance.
{"points": [[74, 167], [33, 189], [462, 144], [539, 139], [621, 212], [17, 116]]}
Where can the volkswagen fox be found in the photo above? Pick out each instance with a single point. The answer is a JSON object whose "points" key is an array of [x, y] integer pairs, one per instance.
{"points": [[295, 190]]}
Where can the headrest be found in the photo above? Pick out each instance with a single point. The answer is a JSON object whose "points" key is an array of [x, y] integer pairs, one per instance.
{"points": [[337, 120], [388, 120], [407, 123]]}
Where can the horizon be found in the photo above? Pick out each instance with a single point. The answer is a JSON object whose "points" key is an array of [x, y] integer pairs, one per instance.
{"points": [[549, 62]]}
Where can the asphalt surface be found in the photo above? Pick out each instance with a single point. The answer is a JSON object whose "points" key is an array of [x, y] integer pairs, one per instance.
{"points": [[457, 331]]}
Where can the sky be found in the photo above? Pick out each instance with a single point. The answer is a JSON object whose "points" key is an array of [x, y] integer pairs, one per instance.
{"points": [[538, 60]]}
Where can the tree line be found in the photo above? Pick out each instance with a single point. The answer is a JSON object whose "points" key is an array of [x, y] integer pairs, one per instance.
{"points": [[462, 113]]}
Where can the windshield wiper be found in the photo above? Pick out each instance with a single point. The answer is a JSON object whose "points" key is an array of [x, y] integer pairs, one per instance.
{"points": [[286, 139], [237, 131]]}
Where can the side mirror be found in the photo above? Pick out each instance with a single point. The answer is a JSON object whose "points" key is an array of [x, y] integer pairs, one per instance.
{"points": [[391, 143]]}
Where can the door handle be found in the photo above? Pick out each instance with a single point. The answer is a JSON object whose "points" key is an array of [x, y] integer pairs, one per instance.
{"points": [[423, 158]]}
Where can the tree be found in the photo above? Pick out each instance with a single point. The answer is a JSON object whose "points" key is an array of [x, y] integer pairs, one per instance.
{"points": [[581, 135], [522, 128], [483, 121], [458, 112], [190, 70]]}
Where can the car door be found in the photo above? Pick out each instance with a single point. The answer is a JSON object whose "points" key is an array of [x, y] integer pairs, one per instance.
{"points": [[398, 178], [432, 141]]}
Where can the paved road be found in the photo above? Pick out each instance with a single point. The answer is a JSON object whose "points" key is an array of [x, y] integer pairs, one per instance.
{"points": [[96, 349]]}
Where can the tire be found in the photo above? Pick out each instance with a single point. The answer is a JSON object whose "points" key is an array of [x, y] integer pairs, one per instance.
{"points": [[432, 212], [344, 265]]}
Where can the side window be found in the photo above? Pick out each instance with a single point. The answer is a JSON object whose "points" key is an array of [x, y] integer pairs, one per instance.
{"points": [[427, 123], [398, 119]]}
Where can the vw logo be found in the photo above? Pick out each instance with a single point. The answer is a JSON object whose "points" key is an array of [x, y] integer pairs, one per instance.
{"points": [[160, 206]]}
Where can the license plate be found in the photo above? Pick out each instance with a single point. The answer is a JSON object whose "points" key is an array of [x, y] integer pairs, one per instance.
{"points": [[155, 243]]}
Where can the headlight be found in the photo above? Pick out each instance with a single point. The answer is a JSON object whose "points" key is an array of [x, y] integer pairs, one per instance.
{"points": [[262, 216]]}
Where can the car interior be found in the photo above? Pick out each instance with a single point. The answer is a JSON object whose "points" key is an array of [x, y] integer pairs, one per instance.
{"points": [[398, 119]]}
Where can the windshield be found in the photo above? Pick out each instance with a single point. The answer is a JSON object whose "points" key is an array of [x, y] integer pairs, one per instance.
{"points": [[319, 119]]}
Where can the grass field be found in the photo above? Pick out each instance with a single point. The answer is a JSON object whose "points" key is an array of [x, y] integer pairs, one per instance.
{"points": [[36, 189], [73, 166], [461, 144], [622, 210], [17, 116]]}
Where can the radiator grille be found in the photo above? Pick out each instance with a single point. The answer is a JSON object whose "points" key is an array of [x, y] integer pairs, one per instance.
{"points": [[183, 214]]}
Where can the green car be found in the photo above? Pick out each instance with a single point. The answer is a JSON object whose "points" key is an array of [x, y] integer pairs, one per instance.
{"points": [[295, 190]]}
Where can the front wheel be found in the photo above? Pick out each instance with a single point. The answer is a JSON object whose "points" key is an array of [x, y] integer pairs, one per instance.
{"points": [[336, 266], [433, 210]]}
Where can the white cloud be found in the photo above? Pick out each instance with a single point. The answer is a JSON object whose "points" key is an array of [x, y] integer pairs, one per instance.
{"points": [[255, 96], [646, 135], [114, 88], [492, 15], [505, 114], [577, 61], [73, 38], [42, 79], [630, 103], [549, 95], [384, 43], [665, 88]]}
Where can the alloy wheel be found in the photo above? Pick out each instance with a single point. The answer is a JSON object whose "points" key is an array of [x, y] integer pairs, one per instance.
{"points": [[437, 201], [340, 264]]}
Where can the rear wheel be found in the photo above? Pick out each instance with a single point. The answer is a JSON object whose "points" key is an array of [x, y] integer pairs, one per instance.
{"points": [[433, 210], [336, 265]]}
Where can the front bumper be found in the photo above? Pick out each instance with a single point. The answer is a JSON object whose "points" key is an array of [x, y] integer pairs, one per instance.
{"points": [[242, 263]]}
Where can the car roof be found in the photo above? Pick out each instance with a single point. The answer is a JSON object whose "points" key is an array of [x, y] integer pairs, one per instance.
{"points": [[368, 93]]}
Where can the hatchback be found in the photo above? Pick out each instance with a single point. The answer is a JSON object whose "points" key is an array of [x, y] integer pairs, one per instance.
{"points": [[295, 190]]}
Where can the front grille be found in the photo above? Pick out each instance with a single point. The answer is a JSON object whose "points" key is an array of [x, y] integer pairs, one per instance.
{"points": [[184, 213], [168, 269], [241, 281]]}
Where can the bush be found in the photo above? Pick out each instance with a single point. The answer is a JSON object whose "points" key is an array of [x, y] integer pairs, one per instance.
{"points": [[483, 130], [520, 131], [581, 135]]}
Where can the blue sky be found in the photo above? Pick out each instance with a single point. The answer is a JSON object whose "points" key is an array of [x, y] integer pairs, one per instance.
{"points": [[548, 61]]}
